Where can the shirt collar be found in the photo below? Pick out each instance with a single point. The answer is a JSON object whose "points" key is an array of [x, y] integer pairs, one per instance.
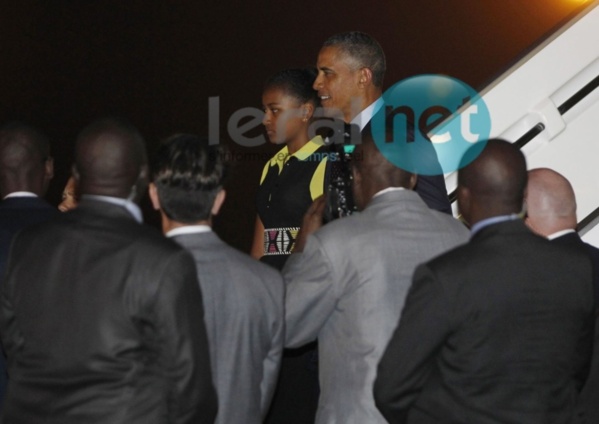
{"points": [[20, 194], [560, 233], [131, 207], [364, 117], [490, 221], [189, 229], [303, 153], [387, 190]]}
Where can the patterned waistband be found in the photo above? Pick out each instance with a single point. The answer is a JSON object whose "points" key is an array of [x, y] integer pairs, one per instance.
{"points": [[279, 241]]}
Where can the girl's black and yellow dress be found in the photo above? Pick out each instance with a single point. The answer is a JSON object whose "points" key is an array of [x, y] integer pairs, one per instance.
{"points": [[288, 186]]}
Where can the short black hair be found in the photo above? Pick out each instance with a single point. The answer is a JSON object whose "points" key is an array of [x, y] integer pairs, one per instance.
{"points": [[14, 131], [188, 173], [364, 49], [296, 82], [109, 152]]}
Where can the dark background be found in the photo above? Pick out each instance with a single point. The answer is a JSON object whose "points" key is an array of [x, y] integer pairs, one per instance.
{"points": [[156, 63]]}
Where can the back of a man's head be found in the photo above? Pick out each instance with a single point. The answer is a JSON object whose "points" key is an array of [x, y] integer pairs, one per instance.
{"points": [[373, 172], [111, 160], [25, 162], [188, 174], [550, 202], [364, 50], [493, 184]]}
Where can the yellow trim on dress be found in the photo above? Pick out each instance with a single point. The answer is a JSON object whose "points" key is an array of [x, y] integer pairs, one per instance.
{"points": [[282, 156]]}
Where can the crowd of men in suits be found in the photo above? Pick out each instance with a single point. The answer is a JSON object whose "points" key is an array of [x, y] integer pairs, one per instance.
{"points": [[419, 320]]}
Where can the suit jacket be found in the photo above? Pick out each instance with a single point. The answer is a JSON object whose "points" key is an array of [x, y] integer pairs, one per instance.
{"points": [[102, 321], [588, 405], [496, 331], [17, 213], [348, 287], [243, 304]]}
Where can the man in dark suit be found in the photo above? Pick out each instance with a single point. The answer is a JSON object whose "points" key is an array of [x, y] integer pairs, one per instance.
{"points": [[25, 171], [26, 168], [499, 330], [243, 298], [351, 67], [101, 317], [551, 213]]}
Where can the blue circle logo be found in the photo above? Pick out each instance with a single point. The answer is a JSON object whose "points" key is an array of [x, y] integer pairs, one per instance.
{"points": [[419, 130]]}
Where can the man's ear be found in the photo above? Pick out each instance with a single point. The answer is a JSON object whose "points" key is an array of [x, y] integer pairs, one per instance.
{"points": [[413, 181], [365, 77], [218, 202], [153, 192], [464, 203]]}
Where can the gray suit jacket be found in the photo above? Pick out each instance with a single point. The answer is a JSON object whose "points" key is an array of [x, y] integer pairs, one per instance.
{"points": [[243, 304], [348, 287]]}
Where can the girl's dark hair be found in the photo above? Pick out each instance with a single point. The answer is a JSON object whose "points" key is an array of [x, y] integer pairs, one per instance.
{"points": [[297, 83]]}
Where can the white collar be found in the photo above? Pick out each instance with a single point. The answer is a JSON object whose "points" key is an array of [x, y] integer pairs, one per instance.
{"points": [[20, 194], [560, 233], [189, 229], [364, 117], [387, 190]]}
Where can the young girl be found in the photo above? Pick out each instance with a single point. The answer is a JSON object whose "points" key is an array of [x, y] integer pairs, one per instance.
{"points": [[290, 182], [294, 176]]}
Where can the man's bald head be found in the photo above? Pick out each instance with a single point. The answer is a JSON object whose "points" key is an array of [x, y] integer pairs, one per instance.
{"points": [[373, 173], [25, 162], [494, 183], [550, 202], [111, 159]]}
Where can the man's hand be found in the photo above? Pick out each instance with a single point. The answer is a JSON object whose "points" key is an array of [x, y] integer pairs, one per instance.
{"points": [[312, 221]]}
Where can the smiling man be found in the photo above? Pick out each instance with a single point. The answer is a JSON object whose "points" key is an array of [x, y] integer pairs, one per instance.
{"points": [[351, 68]]}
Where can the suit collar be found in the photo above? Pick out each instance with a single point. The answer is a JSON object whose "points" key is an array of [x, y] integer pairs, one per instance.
{"points": [[103, 209], [492, 221], [395, 196], [205, 239], [511, 227], [131, 207], [569, 237], [24, 202]]}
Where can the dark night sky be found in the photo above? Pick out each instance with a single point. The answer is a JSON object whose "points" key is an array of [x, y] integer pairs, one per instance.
{"points": [[157, 62]]}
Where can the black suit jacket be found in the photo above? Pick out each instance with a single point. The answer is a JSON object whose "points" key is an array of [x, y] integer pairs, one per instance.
{"points": [[589, 397], [499, 330], [17, 213], [102, 321]]}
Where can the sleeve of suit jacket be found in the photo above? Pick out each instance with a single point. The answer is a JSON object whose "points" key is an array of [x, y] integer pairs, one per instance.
{"points": [[310, 297], [180, 324], [411, 353], [272, 361]]}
